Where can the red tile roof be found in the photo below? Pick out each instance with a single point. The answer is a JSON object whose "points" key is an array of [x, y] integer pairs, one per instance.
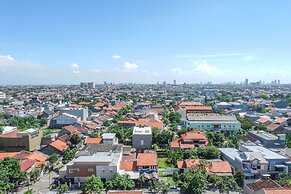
{"points": [[263, 184], [93, 140], [84, 103], [190, 103], [192, 135], [27, 164], [64, 138], [59, 145], [147, 159], [7, 154], [128, 165], [278, 191], [12, 134], [199, 108], [218, 167]]}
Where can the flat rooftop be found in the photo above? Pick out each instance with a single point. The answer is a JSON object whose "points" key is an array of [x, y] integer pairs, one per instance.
{"points": [[142, 131], [211, 117], [264, 135]]}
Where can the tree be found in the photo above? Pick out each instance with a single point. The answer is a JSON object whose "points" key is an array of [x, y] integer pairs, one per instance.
{"points": [[122, 133], [34, 175], [216, 139], [288, 140], [208, 152], [68, 155], [53, 158], [174, 117], [62, 189], [194, 182], [30, 191], [121, 182], [75, 139], [159, 186], [284, 179], [161, 138], [227, 184], [93, 184], [9, 173], [239, 178]]}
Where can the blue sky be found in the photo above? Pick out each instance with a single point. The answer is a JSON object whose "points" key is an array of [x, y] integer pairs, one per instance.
{"points": [[144, 41]]}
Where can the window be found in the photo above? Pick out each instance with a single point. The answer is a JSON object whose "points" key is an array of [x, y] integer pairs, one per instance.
{"points": [[142, 142], [90, 169], [72, 170], [103, 170], [111, 170]]}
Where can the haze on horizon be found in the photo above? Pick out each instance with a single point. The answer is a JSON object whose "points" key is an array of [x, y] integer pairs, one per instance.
{"points": [[66, 42]]}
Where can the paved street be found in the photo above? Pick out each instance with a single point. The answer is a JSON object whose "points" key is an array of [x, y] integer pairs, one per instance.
{"points": [[42, 185]]}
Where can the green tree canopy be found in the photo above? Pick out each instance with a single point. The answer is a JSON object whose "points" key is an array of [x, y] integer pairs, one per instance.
{"points": [[194, 182], [93, 184], [121, 182]]}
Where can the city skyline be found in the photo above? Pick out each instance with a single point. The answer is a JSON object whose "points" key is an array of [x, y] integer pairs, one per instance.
{"points": [[144, 42]]}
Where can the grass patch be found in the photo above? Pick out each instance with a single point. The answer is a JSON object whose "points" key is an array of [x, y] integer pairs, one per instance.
{"points": [[49, 131], [170, 180], [162, 163]]}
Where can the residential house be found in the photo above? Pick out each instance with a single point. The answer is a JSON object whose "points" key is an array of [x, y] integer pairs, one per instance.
{"points": [[280, 104], [95, 159], [62, 120], [268, 140], [93, 140], [109, 139], [281, 121], [69, 130], [142, 138], [275, 128], [190, 139], [147, 162], [264, 121], [265, 186], [77, 112], [57, 147], [255, 161], [212, 167], [152, 120]]}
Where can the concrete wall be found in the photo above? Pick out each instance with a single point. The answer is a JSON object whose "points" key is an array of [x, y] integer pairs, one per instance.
{"points": [[137, 139], [24, 142]]}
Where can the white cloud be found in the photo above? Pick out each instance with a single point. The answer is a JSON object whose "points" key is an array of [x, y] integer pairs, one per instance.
{"points": [[203, 67], [249, 58], [176, 70], [6, 58], [75, 68], [214, 55], [130, 66], [116, 57]]}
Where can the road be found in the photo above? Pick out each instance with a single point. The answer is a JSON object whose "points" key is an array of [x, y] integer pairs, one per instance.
{"points": [[42, 185]]}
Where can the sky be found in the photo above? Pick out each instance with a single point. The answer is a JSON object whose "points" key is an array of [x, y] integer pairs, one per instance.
{"points": [[144, 41]]}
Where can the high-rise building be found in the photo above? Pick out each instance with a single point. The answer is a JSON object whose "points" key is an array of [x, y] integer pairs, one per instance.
{"points": [[246, 81], [87, 85], [279, 82], [175, 83]]}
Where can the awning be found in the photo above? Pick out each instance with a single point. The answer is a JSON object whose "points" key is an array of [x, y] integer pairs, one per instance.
{"points": [[280, 166], [248, 174]]}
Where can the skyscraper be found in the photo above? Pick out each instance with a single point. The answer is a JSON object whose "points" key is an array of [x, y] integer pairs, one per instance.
{"points": [[175, 83], [246, 81]]}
